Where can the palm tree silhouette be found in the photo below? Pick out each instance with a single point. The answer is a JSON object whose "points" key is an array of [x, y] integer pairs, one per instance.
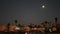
{"points": [[16, 22], [56, 20], [46, 23], [8, 28]]}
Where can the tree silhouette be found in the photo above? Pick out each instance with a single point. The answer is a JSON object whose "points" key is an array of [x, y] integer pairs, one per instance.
{"points": [[46, 23], [43, 24], [8, 28], [56, 19], [16, 22]]}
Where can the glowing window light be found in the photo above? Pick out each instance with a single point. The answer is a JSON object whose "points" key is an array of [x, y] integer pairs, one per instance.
{"points": [[17, 28], [26, 33]]}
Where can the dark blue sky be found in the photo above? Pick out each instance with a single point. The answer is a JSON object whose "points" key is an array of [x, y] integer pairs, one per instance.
{"points": [[26, 11]]}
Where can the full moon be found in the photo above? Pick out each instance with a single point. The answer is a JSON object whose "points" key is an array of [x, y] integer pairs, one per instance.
{"points": [[43, 6]]}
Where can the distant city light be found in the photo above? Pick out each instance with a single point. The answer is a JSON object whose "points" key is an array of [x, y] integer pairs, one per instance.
{"points": [[25, 33], [17, 28]]}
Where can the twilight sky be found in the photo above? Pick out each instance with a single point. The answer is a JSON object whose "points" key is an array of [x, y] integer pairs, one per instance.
{"points": [[28, 11]]}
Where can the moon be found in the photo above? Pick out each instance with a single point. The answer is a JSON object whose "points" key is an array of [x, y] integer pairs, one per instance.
{"points": [[43, 6]]}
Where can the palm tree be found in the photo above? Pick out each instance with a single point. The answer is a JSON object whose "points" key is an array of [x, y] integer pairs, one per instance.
{"points": [[8, 28], [16, 22], [56, 20], [46, 23], [42, 24], [50, 23]]}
